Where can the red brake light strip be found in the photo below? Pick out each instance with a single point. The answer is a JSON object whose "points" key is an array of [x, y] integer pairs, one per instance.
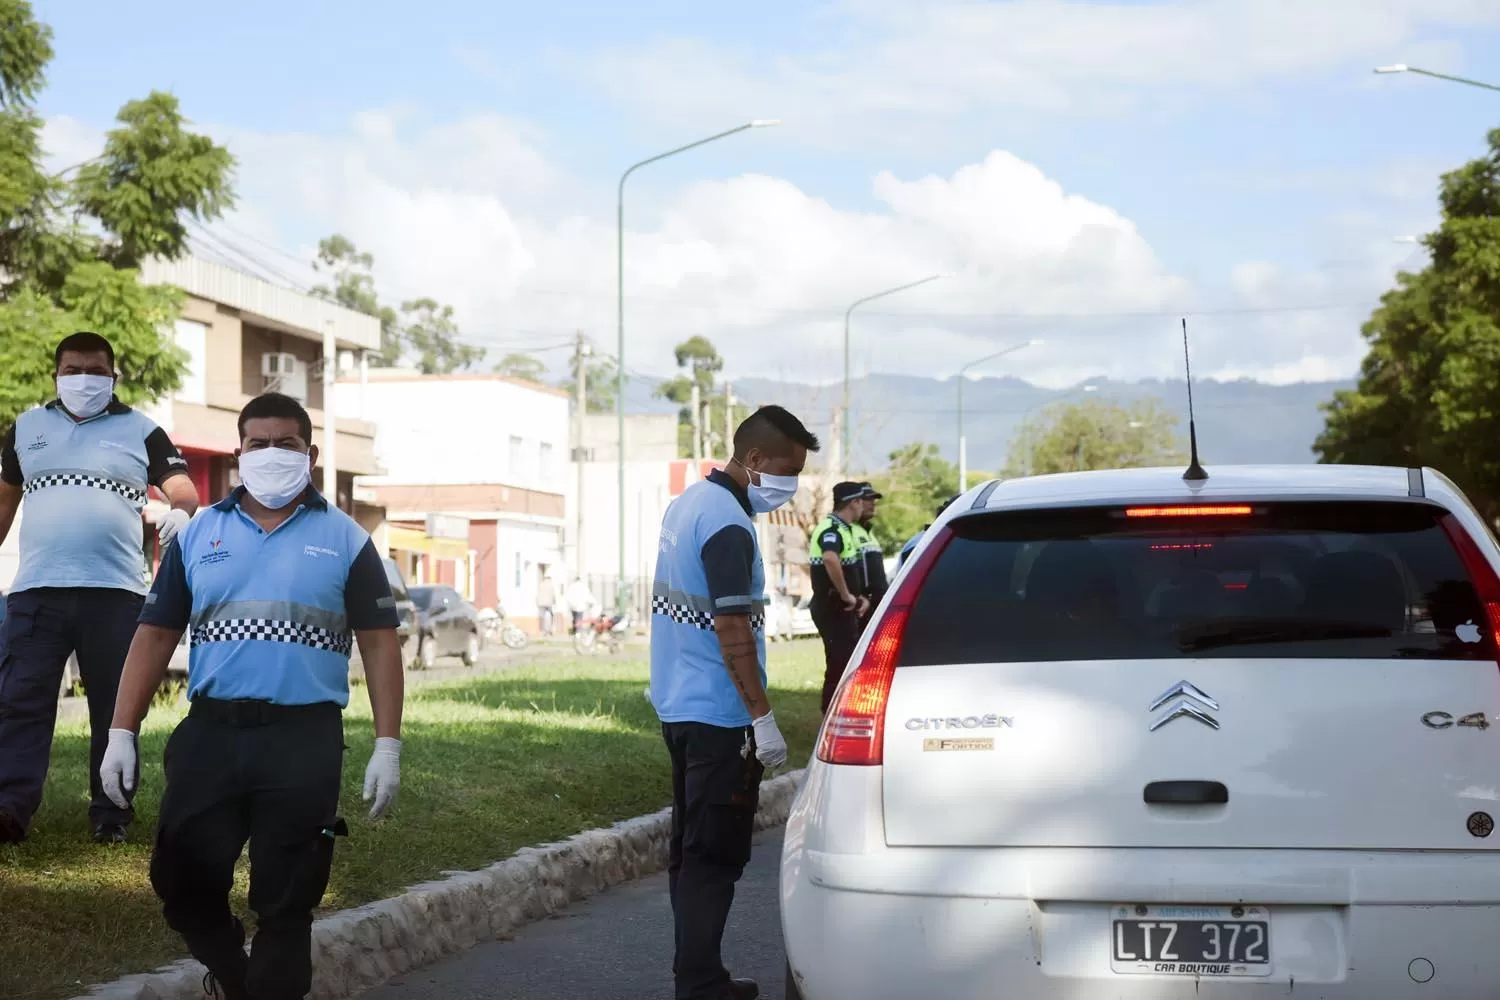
{"points": [[1219, 510]]}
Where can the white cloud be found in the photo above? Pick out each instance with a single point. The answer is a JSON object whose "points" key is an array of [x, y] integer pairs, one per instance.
{"points": [[918, 67], [466, 213], [67, 142]]}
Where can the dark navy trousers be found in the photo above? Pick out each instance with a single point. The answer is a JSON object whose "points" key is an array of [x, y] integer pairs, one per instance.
{"points": [[715, 792], [42, 628]]}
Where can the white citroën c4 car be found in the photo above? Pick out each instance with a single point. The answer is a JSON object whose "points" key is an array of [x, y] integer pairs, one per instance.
{"points": [[1124, 735]]}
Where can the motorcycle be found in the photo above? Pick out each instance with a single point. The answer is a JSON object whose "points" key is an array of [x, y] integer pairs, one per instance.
{"points": [[613, 629], [493, 625]]}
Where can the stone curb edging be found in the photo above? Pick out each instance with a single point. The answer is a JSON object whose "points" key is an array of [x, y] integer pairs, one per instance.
{"points": [[358, 949]]}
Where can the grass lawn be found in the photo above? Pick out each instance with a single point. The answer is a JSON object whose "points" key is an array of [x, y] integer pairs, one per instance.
{"points": [[489, 765]]}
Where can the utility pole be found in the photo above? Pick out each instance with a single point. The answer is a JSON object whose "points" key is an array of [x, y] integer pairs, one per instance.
{"points": [[581, 352], [364, 385], [728, 421], [330, 454], [695, 403]]}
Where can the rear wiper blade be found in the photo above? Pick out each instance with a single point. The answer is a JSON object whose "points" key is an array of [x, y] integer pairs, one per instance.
{"points": [[1250, 633]]}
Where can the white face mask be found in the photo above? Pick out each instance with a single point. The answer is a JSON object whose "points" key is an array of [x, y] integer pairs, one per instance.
{"points": [[771, 492], [275, 476], [85, 396]]}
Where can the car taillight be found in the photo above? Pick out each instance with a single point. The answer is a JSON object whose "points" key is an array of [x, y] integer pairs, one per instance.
{"points": [[1481, 574], [854, 731]]}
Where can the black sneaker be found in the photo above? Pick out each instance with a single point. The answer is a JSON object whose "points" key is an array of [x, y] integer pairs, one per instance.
{"points": [[11, 830], [109, 833]]}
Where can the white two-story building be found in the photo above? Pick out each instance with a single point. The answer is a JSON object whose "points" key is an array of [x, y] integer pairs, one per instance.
{"points": [[476, 468]]}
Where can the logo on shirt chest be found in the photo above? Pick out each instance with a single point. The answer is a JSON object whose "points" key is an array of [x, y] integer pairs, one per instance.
{"points": [[315, 551], [111, 444], [38, 444], [216, 553]]}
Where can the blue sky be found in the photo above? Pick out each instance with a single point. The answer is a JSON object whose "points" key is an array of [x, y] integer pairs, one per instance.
{"points": [[1239, 138]]}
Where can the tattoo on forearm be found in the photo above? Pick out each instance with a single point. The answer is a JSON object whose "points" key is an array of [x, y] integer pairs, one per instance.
{"points": [[742, 659]]}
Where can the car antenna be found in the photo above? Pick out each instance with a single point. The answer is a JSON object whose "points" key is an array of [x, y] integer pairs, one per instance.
{"points": [[1195, 472]]}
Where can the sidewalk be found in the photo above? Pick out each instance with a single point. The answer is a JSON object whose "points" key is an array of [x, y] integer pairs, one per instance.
{"points": [[616, 946]]}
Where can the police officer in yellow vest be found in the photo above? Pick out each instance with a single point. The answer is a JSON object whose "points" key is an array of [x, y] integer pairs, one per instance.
{"points": [[872, 555], [838, 604]]}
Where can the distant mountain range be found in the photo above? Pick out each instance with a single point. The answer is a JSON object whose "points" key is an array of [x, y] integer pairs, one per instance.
{"points": [[1239, 422]]}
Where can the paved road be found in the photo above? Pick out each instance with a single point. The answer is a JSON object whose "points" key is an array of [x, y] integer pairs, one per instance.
{"points": [[616, 946]]}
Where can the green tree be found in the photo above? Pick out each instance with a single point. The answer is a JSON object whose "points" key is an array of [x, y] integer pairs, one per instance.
{"points": [[1096, 434], [70, 243], [1428, 393], [432, 336], [917, 480], [354, 288], [423, 332], [700, 363], [523, 366]]}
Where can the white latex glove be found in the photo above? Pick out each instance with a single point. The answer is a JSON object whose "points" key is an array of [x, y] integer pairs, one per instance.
{"points": [[170, 524], [770, 745], [383, 775], [117, 772]]}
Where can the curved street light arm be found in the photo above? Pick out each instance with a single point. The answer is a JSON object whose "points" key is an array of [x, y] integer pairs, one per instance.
{"points": [[620, 318], [844, 451], [1403, 68], [963, 458]]}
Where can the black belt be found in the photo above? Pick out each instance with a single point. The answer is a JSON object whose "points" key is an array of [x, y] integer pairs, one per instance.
{"points": [[249, 712]]}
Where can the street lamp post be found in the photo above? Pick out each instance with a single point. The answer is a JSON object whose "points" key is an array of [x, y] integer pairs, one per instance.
{"points": [[1403, 68], [1026, 419], [844, 451], [963, 444], [620, 298]]}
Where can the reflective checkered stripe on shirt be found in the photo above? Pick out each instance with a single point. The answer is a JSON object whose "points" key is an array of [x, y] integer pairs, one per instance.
{"points": [[272, 630], [132, 494], [684, 615]]}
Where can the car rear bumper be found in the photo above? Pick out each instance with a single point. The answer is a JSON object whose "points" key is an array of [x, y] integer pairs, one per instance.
{"points": [[861, 919], [846, 944]]}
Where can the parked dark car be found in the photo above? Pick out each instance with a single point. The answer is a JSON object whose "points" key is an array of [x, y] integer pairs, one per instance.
{"points": [[406, 613], [408, 623], [450, 624]]}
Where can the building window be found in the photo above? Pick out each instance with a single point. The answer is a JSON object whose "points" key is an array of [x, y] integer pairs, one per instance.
{"points": [[193, 338], [515, 456], [518, 571], [544, 455]]}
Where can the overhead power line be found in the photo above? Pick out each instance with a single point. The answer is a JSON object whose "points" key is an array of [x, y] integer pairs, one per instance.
{"points": [[251, 261], [273, 248]]}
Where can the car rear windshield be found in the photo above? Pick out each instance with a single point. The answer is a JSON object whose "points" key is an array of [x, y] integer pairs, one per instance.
{"points": [[1329, 579]]}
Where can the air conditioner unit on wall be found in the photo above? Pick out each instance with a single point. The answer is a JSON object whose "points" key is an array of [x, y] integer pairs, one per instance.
{"points": [[285, 374], [276, 364]]}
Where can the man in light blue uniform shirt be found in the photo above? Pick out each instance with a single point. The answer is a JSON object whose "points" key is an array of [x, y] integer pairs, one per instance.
{"points": [[82, 465], [274, 585], [708, 685]]}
